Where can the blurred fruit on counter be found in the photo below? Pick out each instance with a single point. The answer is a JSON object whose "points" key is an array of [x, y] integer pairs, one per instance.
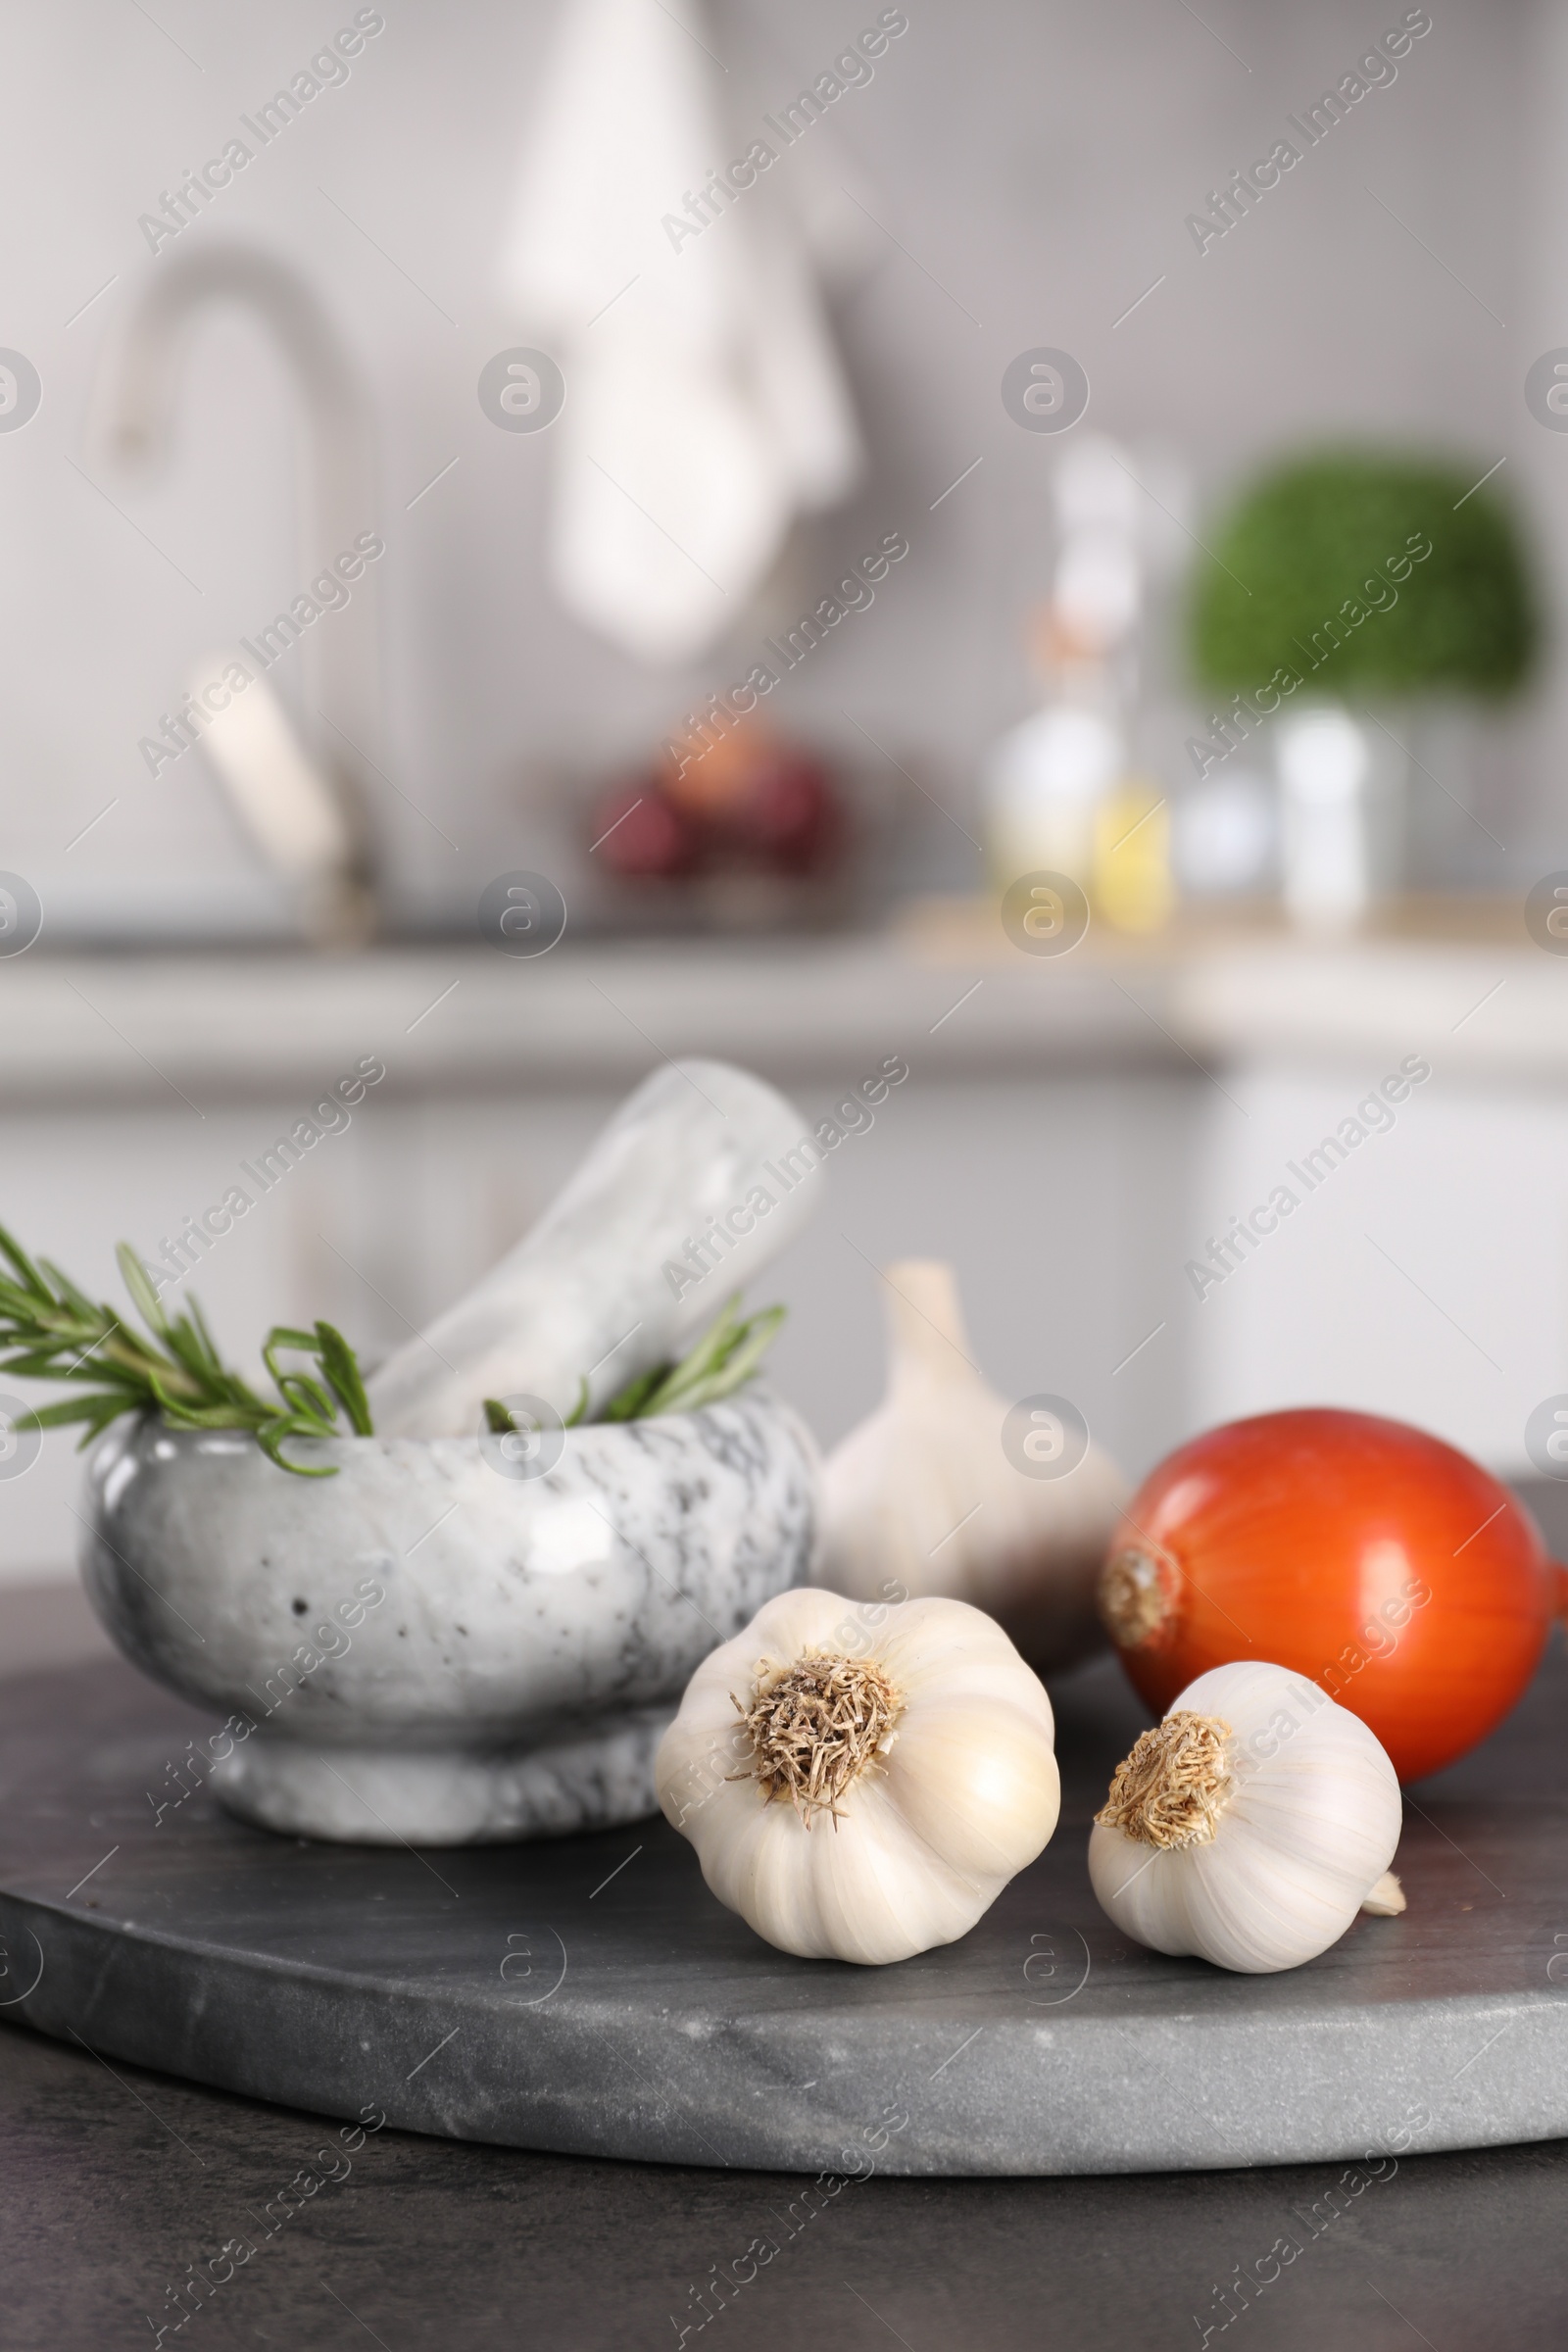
{"points": [[754, 803], [642, 835]]}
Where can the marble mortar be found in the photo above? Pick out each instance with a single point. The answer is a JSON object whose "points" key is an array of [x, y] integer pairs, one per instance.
{"points": [[534, 1633]]}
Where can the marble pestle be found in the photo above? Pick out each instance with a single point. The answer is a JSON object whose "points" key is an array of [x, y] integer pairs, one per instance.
{"points": [[608, 1283]]}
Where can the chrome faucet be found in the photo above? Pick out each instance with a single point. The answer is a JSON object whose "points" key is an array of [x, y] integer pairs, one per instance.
{"points": [[338, 503]]}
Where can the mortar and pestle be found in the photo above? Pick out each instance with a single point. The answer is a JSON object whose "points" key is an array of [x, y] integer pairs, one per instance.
{"points": [[465, 1635]]}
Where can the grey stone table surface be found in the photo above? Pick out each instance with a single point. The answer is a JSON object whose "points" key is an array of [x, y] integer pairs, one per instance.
{"points": [[117, 2183], [588, 1996]]}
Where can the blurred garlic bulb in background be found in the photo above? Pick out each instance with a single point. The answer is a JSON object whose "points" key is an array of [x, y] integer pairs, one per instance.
{"points": [[1250, 1826], [932, 1492]]}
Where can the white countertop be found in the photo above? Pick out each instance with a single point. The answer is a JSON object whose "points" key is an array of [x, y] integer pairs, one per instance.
{"points": [[945, 989]]}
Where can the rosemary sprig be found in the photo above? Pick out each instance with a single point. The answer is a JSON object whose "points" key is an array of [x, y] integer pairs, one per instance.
{"points": [[722, 1361], [55, 1332]]}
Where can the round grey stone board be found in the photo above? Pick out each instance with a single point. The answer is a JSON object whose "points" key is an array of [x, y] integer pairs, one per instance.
{"points": [[589, 1994]]}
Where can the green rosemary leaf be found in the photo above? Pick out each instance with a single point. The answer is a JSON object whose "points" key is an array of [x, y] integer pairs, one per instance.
{"points": [[722, 1361], [631, 1401], [498, 1419], [91, 1372], [77, 1301], [700, 1365], [580, 1411], [341, 1370], [712, 1347], [270, 1437], [308, 1400], [197, 1416], [143, 1297], [186, 1350], [51, 1330], [101, 1411], [38, 1363], [281, 1335], [31, 1280], [210, 1355], [748, 1346], [55, 1416]]}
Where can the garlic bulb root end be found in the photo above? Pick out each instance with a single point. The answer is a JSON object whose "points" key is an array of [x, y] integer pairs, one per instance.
{"points": [[1386, 1898], [815, 1727], [1171, 1790]]}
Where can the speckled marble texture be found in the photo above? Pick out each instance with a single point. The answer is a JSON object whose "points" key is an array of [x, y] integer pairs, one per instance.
{"points": [[422, 1649]]}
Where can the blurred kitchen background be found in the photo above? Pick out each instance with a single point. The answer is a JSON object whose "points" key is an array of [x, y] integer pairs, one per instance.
{"points": [[1049, 422]]}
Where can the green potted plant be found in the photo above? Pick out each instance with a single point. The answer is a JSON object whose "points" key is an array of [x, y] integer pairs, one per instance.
{"points": [[1339, 581]]}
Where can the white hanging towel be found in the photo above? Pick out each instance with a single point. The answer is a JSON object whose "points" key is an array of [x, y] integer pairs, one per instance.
{"points": [[706, 406]]}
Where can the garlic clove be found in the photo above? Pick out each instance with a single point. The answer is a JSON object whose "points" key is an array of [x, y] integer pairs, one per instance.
{"points": [[862, 1873], [922, 1496], [971, 1782], [760, 1878], [1270, 1917], [960, 1641]]}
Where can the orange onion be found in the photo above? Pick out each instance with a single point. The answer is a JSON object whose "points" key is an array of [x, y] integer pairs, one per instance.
{"points": [[1398, 1574]]}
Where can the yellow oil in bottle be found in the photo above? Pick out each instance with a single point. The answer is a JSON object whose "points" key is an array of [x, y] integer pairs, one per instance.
{"points": [[1134, 888]]}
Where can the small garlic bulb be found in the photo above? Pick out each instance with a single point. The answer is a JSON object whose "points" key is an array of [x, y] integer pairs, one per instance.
{"points": [[924, 1495], [1250, 1826], [862, 1784]]}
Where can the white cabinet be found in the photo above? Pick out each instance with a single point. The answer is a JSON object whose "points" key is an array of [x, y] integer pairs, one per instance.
{"points": [[1424, 1275]]}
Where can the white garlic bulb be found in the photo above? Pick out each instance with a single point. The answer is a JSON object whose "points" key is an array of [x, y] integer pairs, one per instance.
{"points": [[1250, 1826], [926, 1493], [861, 1784]]}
